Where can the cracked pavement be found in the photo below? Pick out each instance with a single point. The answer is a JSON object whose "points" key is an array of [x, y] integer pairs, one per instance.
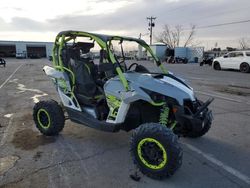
{"points": [[84, 157]]}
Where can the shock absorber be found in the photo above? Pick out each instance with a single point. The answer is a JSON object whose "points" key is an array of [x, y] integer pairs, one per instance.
{"points": [[164, 115]]}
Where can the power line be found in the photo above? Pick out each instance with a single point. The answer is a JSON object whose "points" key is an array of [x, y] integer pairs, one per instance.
{"points": [[170, 9], [222, 24], [222, 13], [218, 25]]}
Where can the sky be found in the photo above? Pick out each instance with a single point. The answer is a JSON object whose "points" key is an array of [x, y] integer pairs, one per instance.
{"points": [[32, 20]]}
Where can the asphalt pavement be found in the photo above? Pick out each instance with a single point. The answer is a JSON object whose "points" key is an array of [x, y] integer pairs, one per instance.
{"points": [[84, 157]]}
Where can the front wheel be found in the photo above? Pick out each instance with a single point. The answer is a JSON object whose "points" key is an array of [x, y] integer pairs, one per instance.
{"points": [[244, 67], [203, 131], [49, 117], [217, 66], [155, 150], [205, 126]]}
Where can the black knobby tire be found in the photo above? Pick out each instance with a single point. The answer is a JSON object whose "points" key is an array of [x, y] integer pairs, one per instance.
{"points": [[203, 131], [217, 66], [167, 139], [196, 134], [49, 117], [244, 67]]}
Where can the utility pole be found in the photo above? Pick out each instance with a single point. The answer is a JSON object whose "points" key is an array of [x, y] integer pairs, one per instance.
{"points": [[151, 24]]}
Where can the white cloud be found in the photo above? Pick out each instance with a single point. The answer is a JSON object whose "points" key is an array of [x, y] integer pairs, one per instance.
{"points": [[41, 20], [49, 9]]}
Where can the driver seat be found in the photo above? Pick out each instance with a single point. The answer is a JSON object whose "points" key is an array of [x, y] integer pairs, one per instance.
{"points": [[86, 90]]}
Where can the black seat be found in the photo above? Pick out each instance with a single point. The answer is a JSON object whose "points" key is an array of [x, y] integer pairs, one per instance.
{"points": [[86, 90], [105, 68]]}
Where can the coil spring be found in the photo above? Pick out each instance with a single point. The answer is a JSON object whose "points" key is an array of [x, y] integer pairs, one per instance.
{"points": [[164, 115]]}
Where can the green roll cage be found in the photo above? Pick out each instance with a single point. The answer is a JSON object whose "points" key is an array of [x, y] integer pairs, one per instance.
{"points": [[104, 42]]}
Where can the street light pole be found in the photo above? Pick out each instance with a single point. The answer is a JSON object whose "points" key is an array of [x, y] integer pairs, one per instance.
{"points": [[151, 24]]}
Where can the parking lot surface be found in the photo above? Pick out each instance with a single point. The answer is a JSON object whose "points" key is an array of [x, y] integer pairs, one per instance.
{"points": [[84, 157]]}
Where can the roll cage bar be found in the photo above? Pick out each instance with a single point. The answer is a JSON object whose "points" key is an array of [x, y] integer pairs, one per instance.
{"points": [[103, 41]]}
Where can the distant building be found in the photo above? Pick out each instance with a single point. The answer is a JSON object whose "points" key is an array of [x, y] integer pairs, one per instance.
{"points": [[159, 50], [25, 49], [193, 54]]}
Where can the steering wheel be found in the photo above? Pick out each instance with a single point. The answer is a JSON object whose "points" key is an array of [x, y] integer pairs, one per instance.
{"points": [[132, 65], [139, 68]]}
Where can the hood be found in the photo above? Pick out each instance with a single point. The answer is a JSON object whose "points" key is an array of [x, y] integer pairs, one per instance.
{"points": [[165, 84], [217, 58]]}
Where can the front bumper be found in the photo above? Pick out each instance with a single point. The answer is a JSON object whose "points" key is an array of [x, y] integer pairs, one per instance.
{"points": [[194, 121]]}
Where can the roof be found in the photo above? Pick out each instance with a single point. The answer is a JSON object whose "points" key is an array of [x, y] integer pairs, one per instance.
{"points": [[103, 37], [158, 44]]}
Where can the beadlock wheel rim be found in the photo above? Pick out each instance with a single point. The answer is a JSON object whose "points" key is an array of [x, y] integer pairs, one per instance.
{"points": [[152, 153], [43, 118]]}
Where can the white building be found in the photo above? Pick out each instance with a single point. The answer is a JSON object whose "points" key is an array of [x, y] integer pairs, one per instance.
{"points": [[193, 54], [159, 50], [25, 48]]}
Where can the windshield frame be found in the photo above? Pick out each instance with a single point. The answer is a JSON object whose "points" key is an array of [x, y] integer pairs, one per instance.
{"points": [[157, 62]]}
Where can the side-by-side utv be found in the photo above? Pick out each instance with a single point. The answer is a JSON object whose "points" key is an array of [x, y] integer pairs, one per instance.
{"points": [[111, 96]]}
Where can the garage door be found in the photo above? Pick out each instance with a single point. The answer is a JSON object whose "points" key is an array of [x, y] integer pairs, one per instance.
{"points": [[36, 51], [7, 50]]}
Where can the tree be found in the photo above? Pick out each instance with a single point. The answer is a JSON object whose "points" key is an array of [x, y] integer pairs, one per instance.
{"points": [[172, 37], [244, 43]]}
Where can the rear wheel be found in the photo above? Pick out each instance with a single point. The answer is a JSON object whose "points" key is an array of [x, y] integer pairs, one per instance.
{"points": [[49, 117], [217, 66], [244, 67], [155, 150]]}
